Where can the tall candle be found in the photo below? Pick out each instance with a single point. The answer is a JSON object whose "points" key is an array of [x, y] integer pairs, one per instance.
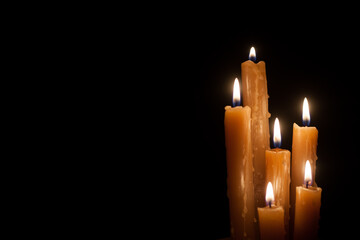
{"points": [[239, 168], [278, 172], [271, 218], [256, 97], [307, 208], [304, 144]]}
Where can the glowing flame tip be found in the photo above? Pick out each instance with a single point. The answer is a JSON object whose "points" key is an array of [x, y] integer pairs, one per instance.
{"points": [[306, 113], [269, 194], [236, 93], [307, 177], [277, 134], [252, 54]]}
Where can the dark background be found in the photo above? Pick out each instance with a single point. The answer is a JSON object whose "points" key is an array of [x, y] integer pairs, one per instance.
{"points": [[192, 83]]}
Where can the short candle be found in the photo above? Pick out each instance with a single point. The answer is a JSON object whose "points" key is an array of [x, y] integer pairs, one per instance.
{"points": [[271, 218], [307, 208]]}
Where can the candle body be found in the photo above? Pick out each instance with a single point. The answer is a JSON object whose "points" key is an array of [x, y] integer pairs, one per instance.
{"points": [[240, 172], [304, 146], [255, 95], [307, 212], [271, 221], [278, 173]]}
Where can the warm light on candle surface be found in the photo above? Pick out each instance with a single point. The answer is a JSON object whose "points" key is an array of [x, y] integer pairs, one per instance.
{"points": [[306, 113], [277, 134], [236, 93], [308, 177], [269, 194], [252, 55]]}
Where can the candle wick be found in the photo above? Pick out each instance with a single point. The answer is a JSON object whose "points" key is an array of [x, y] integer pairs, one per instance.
{"points": [[306, 123], [270, 203], [307, 184], [236, 103]]}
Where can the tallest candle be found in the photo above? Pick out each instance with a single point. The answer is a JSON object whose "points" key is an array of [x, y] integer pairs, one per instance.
{"points": [[255, 95], [240, 188]]}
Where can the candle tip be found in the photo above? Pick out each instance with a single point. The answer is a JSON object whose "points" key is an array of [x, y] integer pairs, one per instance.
{"points": [[252, 54], [277, 134], [306, 113], [269, 194], [236, 93], [307, 177]]}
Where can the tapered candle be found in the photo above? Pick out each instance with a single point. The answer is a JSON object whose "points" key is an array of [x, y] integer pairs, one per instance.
{"points": [[255, 95], [278, 172], [271, 218], [304, 144], [307, 208], [239, 168]]}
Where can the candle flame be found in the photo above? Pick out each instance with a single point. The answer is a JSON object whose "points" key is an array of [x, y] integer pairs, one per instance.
{"points": [[308, 177], [306, 113], [277, 134], [269, 193], [252, 55], [236, 93]]}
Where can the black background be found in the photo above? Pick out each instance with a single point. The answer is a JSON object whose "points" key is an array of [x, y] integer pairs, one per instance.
{"points": [[192, 83]]}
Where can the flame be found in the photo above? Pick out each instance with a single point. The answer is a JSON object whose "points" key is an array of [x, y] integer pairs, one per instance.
{"points": [[252, 55], [269, 193], [277, 134], [306, 113], [308, 177], [236, 93]]}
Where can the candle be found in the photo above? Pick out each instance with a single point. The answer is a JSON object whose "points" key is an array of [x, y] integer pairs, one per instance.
{"points": [[255, 96], [307, 208], [239, 168], [304, 144], [271, 218], [278, 172]]}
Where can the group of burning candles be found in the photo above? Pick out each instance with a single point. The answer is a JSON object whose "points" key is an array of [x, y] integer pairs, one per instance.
{"points": [[265, 201]]}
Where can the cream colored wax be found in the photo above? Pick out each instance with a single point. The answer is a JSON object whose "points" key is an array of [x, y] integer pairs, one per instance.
{"points": [[271, 221], [240, 172], [255, 95], [278, 173], [307, 213]]}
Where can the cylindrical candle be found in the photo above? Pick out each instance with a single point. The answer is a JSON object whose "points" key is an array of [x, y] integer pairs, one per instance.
{"points": [[271, 221], [240, 171], [307, 208], [278, 173], [256, 96], [307, 213], [304, 144]]}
